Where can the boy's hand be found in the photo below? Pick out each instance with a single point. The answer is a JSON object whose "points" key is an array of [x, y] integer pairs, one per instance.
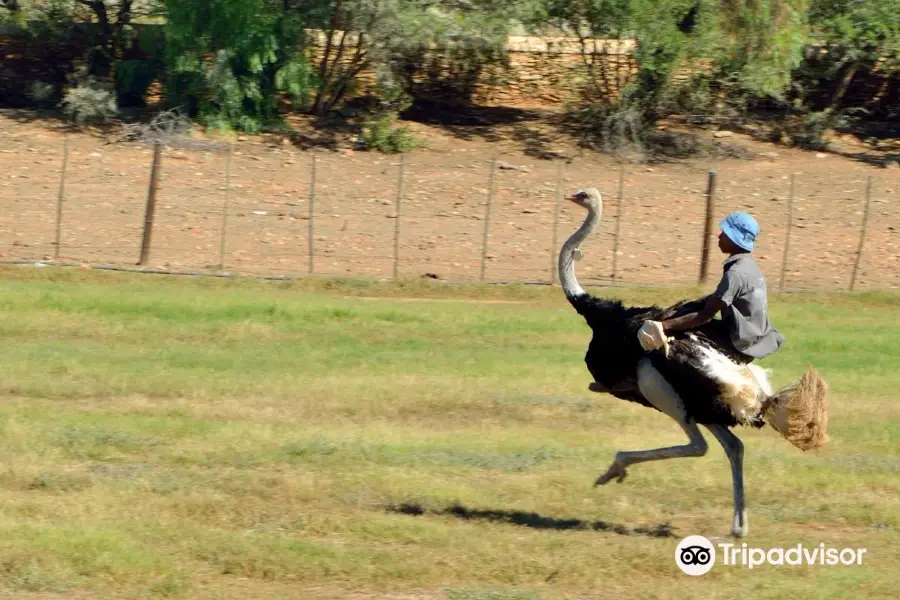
{"points": [[652, 337]]}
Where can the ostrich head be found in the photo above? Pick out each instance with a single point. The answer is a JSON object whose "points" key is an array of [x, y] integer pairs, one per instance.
{"points": [[588, 198]]}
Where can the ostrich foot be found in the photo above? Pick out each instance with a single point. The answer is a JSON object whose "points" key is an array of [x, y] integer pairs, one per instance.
{"points": [[740, 527], [616, 471]]}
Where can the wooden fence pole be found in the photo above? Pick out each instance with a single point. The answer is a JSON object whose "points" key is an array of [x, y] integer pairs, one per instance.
{"points": [[708, 226], [151, 204], [401, 190], [553, 248], [312, 216], [787, 235], [59, 199], [226, 207], [862, 233], [487, 219], [621, 209]]}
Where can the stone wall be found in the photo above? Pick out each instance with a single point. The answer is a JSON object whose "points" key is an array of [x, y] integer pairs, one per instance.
{"points": [[537, 72], [553, 75]]}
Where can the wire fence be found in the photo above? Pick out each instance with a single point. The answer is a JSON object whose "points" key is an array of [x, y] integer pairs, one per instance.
{"points": [[220, 210]]}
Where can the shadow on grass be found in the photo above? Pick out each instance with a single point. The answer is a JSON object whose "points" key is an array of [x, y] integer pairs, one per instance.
{"points": [[532, 520]]}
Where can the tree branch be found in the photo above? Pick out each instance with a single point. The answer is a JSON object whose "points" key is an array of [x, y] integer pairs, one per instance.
{"points": [[99, 9], [336, 63], [357, 64], [326, 55]]}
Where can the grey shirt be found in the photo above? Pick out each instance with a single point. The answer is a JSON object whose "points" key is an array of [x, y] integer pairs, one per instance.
{"points": [[743, 290]]}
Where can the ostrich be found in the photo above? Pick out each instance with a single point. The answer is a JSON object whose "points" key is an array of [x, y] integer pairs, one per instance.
{"points": [[698, 381]]}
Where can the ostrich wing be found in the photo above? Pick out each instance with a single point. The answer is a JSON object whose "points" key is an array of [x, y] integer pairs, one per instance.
{"points": [[614, 351]]}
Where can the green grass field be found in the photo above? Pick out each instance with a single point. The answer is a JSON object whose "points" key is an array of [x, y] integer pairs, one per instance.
{"points": [[201, 438]]}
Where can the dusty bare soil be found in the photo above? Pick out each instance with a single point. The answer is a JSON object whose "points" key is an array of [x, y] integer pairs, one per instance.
{"points": [[442, 215]]}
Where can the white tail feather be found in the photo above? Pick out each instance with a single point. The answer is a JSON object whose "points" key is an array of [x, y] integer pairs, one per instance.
{"points": [[743, 388]]}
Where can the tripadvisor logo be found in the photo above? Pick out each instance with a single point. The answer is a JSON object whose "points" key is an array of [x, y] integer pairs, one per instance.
{"points": [[696, 555]]}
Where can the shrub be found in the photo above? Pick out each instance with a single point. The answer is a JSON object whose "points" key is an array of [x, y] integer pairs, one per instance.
{"points": [[381, 135], [42, 94], [89, 101]]}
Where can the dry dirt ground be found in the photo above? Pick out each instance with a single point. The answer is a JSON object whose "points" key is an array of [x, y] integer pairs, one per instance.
{"points": [[444, 210]]}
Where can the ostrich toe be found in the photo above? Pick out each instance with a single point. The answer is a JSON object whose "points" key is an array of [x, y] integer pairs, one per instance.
{"points": [[616, 471]]}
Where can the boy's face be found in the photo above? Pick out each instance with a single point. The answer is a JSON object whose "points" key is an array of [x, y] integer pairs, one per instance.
{"points": [[726, 245]]}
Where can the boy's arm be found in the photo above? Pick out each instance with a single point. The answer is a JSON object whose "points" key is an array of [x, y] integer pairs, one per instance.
{"points": [[728, 288], [695, 319], [652, 334]]}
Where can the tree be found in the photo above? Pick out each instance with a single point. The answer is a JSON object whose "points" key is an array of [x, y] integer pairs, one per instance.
{"points": [[760, 43], [856, 35], [394, 36], [230, 62], [696, 49], [660, 36], [107, 38]]}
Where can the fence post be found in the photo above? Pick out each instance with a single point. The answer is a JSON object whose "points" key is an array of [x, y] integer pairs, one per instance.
{"points": [[401, 185], [787, 236], [862, 233], [621, 209], [225, 208], [708, 226], [151, 204], [487, 218], [59, 200], [312, 215], [553, 249]]}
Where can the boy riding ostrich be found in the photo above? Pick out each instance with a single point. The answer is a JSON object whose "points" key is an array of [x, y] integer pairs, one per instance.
{"points": [[692, 367]]}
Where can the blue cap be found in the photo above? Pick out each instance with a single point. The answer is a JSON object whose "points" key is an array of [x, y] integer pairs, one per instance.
{"points": [[741, 229]]}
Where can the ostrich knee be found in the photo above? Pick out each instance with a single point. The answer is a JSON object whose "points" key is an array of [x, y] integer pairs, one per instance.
{"points": [[663, 396]]}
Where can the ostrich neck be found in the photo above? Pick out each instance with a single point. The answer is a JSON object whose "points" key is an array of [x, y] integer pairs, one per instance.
{"points": [[566, 254]]}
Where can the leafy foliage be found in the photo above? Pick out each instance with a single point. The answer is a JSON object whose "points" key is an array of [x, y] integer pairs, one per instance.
{"points": [[103, 32], [397, 35], [758, 44], [90, 101], [860, 32], [238, 64], [382, 136], [618, 108], [850, 41], [229, 62], [694, 54]]}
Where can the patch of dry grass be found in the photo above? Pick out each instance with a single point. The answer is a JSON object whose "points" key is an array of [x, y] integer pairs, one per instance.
{"points": [[187, 438]]}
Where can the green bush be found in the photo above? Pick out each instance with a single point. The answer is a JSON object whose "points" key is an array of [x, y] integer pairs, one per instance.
{"points": [[381, 135]]}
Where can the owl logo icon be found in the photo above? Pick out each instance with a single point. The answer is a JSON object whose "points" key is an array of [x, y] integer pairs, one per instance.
{"points": [[695, 555]]}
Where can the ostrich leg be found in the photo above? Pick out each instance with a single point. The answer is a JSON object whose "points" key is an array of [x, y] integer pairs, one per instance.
{"points": [[663, 396], [735, 451]]}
